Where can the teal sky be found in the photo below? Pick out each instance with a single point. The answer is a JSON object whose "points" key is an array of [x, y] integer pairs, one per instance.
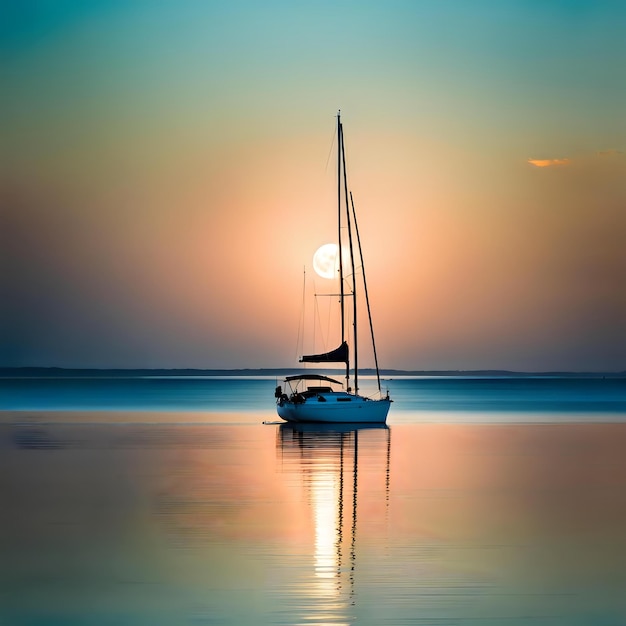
{"points": [[164, 179]]}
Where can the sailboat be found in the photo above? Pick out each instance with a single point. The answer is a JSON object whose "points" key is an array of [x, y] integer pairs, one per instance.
{"points": [[317, 398]]}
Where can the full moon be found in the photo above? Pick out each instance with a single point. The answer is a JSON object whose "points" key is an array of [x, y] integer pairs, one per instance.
{"points": [[325, 261]]}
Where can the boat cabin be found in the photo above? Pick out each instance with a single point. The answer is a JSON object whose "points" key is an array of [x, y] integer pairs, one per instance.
{"points": [[315, 390]]}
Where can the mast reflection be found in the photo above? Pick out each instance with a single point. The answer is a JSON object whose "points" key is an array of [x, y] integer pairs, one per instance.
{"points": [[329, 458]]}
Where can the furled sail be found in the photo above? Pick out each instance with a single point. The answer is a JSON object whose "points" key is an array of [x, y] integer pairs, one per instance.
{"points": [[338, 355]]}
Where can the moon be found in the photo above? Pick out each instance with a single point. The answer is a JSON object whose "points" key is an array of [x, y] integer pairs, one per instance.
{"points": [[325, 261]]}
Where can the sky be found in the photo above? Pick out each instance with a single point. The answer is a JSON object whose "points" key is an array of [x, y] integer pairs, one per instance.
{"points": [[168, 173]]}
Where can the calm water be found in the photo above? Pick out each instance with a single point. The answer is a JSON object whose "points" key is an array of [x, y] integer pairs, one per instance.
{"points": [[170, 502], [413, 397]]}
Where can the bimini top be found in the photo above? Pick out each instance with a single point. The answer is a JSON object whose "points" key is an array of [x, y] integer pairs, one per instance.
{"points": [[312, 377]]}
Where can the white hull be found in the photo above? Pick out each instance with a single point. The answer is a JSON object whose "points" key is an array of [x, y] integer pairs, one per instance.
{"points": [[336, 410]]}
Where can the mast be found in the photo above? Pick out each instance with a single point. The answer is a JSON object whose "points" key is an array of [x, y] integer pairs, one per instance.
{"points": [[349, 228], [341, 288], [342, 353]]}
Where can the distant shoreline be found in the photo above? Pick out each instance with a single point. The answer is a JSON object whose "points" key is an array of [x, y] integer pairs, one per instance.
{"points": [[59, 372]]}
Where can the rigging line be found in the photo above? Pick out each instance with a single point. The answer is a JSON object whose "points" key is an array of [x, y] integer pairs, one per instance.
{"points": [[328, 316], [300, 337], [330, 150], [317, 321], [325, 336], [367, 299]]}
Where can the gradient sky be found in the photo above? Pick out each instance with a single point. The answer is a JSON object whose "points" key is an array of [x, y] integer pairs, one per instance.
{"points": [[165, 179]]}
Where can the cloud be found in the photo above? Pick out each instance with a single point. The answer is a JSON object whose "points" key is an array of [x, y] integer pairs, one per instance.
{"points": [[604, 154], [548, 162]]}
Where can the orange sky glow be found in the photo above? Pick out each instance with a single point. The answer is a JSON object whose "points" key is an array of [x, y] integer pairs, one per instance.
{"points": [[164, 188]]}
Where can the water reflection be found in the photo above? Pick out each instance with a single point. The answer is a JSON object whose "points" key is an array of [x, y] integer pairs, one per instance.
{"points": [[335, 464], [145, 520]]}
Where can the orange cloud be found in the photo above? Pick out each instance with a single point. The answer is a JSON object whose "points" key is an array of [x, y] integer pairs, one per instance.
{"points": [[548, 162]]}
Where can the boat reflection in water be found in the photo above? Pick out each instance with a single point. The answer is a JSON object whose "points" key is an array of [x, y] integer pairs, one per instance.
{"points": [[341, 467]]}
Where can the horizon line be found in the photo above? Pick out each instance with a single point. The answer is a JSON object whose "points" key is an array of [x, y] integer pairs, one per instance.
{"points": [[278, 370]]}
